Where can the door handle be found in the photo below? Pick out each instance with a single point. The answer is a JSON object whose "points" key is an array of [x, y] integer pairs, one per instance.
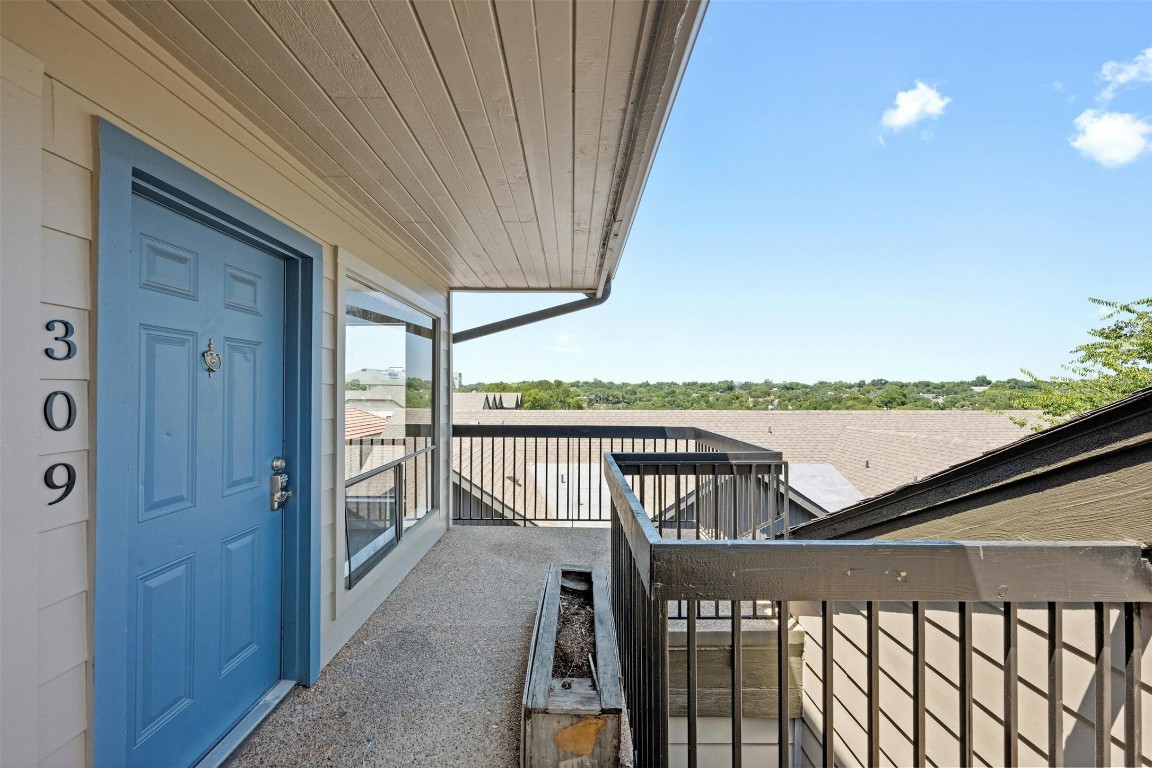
{"points": [[278, 492]]}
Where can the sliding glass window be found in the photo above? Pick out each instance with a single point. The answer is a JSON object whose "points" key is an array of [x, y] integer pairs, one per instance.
{"points": [[390, 394]]}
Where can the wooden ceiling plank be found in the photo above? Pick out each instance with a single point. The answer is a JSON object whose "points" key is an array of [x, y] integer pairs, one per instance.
{"points": [[234, 85], [555, 42], [375, 116], [628, 24], [593, 36], [462, 53], [517, 25], [391, 39], [298, 32], [372, 45], [422, 95], [245, 42], [481, 34], [162, 24], [235, 35], [360, 197]]}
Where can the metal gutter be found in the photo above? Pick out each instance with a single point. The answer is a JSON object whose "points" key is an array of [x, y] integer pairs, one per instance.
{"points": [[593, 300]]}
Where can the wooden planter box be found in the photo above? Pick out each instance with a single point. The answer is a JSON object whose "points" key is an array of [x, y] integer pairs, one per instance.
{"points": [[577, 726]]}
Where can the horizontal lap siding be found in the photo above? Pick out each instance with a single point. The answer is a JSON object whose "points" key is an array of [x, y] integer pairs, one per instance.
{"points": [[91, 69], [942, 693]]}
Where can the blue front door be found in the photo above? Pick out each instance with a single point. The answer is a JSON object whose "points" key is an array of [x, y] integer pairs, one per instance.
{"points": [[200, 577]]}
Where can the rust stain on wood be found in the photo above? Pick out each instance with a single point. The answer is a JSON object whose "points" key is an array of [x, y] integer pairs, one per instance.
{"points": [[580, 739]]}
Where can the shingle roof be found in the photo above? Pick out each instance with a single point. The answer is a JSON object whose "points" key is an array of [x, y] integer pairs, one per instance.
{"points": [[359, 423], [875, 450]]}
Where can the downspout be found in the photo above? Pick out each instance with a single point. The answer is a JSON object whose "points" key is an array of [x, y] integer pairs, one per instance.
{"points": [[535, 317]]}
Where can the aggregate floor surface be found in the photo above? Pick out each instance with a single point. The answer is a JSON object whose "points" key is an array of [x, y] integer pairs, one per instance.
{"points": [[434, 677]]}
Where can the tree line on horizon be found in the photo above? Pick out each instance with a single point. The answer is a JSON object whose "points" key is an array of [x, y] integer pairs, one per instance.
{"points": [[1115, 364], [979, 393]]}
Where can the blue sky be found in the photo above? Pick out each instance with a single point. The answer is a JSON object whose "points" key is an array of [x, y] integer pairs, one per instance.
{"points": [[864, 190]]}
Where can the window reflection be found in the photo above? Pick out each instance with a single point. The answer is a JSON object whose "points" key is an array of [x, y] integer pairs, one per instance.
{"points": [[389, 400]]}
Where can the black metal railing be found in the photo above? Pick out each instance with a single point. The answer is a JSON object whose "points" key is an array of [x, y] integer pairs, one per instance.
{"points": [[391, 487], [535, 475], [843, 599]]}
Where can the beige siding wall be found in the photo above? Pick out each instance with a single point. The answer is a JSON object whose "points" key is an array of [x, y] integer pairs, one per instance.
{"points": [[1113, 502], [62, 68], [942, 693]]}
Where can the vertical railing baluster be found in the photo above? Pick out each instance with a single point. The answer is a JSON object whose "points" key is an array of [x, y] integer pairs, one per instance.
{"points": [[735, 504], [786, 503], [715, 472], [919, 733], [579, 473], [472, 477], [965, 684], [1055, 685], [737, 700], [678, 507], [643, 488], [693, 676], [828, 694], [873, 650], [1011, 685], [483, 503], [1103, 713], [599, 480], [783, 683], [1133, 646], [660, 678], [660, 513], [773, 503]]}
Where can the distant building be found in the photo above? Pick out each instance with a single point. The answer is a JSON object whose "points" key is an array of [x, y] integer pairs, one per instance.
{"points": [[371, 376]]}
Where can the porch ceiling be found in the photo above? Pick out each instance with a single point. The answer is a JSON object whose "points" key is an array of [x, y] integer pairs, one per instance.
{"points": [[504, 143]]}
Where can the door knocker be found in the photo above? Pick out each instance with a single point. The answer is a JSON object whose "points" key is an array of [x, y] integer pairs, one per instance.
{"points": [[212, 358]]}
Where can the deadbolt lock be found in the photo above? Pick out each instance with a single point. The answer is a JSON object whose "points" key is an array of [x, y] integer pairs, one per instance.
{"points": [[278, 492]]}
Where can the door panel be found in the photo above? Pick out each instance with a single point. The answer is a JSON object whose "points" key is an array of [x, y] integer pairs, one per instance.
{"points": [[167, 421], [164, 668], [202, 576]]}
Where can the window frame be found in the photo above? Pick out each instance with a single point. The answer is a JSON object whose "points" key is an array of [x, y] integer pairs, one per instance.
{"points": [[351, 269]]}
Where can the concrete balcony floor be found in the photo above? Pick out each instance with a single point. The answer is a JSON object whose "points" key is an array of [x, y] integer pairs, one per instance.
{"points": [[434, 678]]}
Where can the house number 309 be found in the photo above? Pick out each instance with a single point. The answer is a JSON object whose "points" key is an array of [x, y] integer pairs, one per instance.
{"points": [[63, 331]]}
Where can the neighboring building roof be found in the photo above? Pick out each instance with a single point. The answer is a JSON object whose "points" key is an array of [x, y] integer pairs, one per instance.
{"points": [[1089, 478], [486, 401], [468, 401], [823, 484], [359, 423], [875, 451], [378, 394]]}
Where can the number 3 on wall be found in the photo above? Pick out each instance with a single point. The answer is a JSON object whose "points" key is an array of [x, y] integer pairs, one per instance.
{"points": [[65, 337]]}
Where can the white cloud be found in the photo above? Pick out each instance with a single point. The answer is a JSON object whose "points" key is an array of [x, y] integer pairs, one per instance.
{"points": [[567, 344], [1111, 138], [1117, 74], [914, 105]]}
